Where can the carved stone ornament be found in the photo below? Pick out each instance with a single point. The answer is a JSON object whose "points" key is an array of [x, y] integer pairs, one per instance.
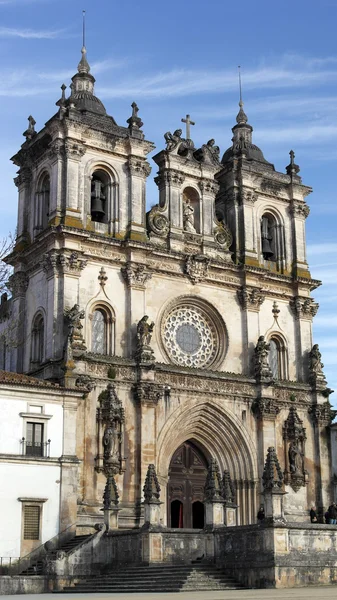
{"points": [[322, 414], [18, 284], [110, 418], [300, 210], [304, 308], [139, 167], [248, 196], [136, 275], [294, 436], [316, 375], [271, 187], [213, 485], [148, 393], [169, 177], [228, 491], [261, 363], [24, 177], [74, 150], [272, 475], [197, 267], [250, 298], [151, 487], [266, 408], [223, 236], [85, 381], [110, 495], [144, 352], [63, 262], [157, 222], [102, 277], [208, 187]]}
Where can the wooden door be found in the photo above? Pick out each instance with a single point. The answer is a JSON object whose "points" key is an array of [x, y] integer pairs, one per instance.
{"points": [[187, 476]]}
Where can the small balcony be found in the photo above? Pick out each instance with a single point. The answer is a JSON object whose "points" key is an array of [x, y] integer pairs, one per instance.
{"points": [[41, 449]]}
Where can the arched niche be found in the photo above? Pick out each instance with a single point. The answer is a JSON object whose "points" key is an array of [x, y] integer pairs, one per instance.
{"points": [[191, 210], [100, 195], [42, 202]]}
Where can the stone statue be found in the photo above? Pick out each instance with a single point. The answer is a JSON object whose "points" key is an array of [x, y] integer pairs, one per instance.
{"points": [[214, 150], [316, 364], [295, 458], [110, 442], [73, 317], [173, 139], [188, 216], [144, 331], [261, 354]]}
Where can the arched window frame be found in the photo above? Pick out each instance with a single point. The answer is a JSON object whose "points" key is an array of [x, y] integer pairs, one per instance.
{"points": [[277, 240], [282, 356], [100, 173], [109, 328], [193, 196], [42, 202], [38, 339]]}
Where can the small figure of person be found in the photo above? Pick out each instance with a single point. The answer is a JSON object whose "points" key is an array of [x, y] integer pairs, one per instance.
{"points": [[332, 510], [326, 517], [313, 515], [261, 514]]}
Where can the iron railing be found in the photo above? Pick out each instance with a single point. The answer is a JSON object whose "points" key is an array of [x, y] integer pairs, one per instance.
{"points": [[10, 565], [35, 448]]}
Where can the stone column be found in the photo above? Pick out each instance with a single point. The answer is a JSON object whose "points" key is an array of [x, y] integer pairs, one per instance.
{"points": [[69, 463], [139, 171], [18, 285], [250, 298], [73, 213], [299, 211]]}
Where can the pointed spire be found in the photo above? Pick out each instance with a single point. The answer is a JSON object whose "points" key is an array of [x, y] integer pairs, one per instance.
{"points": [[272, 475], [213, 485], [83, 65], [151, 487], [241, 117], [110, 496], [228, 491]]}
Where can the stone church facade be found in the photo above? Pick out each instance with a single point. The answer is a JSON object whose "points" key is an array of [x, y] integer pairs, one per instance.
{"points": [[187, 328]]}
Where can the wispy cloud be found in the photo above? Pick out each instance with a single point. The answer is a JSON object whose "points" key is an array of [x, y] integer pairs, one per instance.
{"points": [[29, 33], [320, 249]]}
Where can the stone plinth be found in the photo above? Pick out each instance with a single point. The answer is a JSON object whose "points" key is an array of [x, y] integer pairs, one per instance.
{"points": [[214, 514], [273, 505], [111, 518], [152, 513], [230, 515]]}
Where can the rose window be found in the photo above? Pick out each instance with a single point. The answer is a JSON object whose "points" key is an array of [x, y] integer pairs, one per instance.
{"points": [[190, 336]]}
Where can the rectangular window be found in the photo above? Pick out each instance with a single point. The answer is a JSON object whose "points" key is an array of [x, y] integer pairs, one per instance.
{"points": [[31, 526], [34, 439]]}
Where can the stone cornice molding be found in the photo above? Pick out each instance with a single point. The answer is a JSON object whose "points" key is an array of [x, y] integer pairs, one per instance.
{"points": [[304, 308], [139, 167], [63, 262]]}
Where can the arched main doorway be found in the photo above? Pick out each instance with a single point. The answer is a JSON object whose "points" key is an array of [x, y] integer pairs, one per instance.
{"points": [[187, 477]]}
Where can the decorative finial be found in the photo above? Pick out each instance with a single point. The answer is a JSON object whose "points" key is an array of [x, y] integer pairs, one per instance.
{"points": [[83, 65], [83, 14], [135, 121], [292, 168], [241, 118]]}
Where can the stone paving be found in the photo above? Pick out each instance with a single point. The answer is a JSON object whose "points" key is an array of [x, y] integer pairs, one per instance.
{"points": [[307, 593]]}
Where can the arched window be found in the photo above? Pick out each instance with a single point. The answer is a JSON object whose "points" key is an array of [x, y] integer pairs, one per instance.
{"points": [[272, 242], [42, 206], [191, 211], [37, 349], [278, 358], [102, 331], [99, 196]]}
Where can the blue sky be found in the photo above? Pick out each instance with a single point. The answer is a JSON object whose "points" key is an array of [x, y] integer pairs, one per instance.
{"points": [[178, 57]]}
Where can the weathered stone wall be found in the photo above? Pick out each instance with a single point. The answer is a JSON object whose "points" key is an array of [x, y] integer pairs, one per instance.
{"points": [[279, 556]]}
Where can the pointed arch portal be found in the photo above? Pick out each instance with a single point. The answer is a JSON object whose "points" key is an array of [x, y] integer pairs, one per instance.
{"points": [[187, 476]]}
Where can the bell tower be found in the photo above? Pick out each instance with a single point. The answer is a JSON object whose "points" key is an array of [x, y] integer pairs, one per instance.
{"points": [[81, 178]]}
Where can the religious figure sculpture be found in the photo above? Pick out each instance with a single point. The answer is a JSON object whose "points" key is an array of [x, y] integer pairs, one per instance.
{"points": [[261, 355], [188, 216], [316, 375], [144, 352], [111, 442], [214, 150], [73, 317], [295, 458], [173, 139]]}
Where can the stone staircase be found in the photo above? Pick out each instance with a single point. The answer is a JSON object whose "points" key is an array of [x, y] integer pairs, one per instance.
{"points": [[158, 578], [37, 568]]}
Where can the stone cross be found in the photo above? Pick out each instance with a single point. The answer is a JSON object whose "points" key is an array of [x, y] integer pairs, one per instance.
{"points": [[188, 126]]}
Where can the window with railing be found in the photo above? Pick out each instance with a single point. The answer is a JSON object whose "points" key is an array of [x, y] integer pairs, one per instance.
{"points": [[33, 444]]}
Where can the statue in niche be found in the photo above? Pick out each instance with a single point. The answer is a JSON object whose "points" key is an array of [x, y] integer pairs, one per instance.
{"points": [[111, 442], [295, 458], [144, 331], [173, 139], [188, 216]]}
